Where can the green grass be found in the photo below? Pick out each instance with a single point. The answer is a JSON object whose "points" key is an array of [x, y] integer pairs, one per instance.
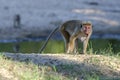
{"points": [[95, 46], [93, 68]]}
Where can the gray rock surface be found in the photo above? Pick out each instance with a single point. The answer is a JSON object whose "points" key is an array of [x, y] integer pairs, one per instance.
{"points": [[39, 16]]}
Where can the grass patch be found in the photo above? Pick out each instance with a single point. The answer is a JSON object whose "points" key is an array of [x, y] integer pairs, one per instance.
{"points": [[96, 46], [13, 70], [89, 67], [94, 67]]}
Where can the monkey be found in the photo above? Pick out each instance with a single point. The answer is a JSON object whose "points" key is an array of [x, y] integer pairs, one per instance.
{"points": [[17, 21], [72, 31]]}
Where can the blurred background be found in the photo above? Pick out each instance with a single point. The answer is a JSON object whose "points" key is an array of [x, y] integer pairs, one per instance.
{"points": [[39, 17]]}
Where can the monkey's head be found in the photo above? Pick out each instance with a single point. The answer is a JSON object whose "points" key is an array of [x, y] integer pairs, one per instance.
{"points": [[86, 27]]}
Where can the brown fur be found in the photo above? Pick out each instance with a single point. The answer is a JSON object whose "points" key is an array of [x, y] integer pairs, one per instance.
{"points": [[72, 31]]}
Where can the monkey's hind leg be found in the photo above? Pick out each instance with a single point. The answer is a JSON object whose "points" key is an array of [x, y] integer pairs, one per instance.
{"points": [[66, 37], [66, 40]]}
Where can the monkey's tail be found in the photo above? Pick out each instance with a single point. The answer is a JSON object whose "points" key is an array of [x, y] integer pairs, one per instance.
{"points": [[44, 45]]}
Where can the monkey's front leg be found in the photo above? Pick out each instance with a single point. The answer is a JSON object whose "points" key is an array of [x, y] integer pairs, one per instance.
{"points": [[76, 46], [85, 43]]}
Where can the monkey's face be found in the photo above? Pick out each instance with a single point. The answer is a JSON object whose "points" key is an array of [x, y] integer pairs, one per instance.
{"points": [[86, 29]]}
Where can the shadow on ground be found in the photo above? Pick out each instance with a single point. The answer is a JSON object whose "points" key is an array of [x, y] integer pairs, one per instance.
{"points": [[104, 67]]}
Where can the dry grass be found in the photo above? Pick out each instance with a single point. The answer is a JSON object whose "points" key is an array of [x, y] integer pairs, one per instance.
{"points": [[59, 67]]}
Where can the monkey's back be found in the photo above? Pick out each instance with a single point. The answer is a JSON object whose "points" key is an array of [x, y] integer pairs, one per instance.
{"points": [[71, 25]]}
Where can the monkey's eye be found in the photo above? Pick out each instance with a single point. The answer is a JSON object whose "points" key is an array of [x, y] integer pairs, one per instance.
{"points": [[88, 27]]}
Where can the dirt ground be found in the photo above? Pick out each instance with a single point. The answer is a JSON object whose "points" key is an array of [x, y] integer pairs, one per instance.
{"points": [[105, 65]]}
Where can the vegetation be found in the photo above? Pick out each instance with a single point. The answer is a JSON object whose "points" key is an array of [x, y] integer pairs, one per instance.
{"points": [[57, 46], [13, 70], [91, 67], [104, 64]]}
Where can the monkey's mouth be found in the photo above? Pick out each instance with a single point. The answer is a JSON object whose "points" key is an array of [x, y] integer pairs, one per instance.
{"points": [[87, 33]]}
